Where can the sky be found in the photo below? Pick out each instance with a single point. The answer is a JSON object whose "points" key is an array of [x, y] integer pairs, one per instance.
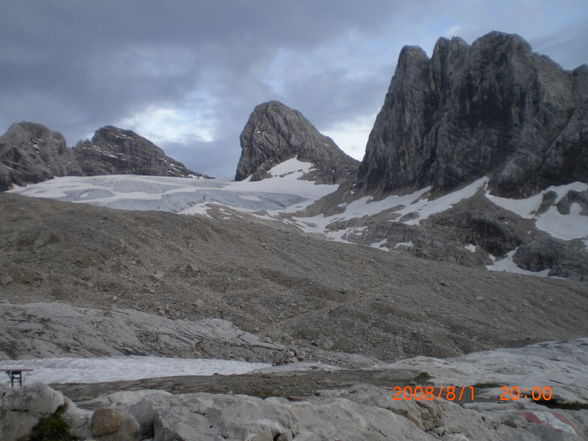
{"points": [[186, 74]]}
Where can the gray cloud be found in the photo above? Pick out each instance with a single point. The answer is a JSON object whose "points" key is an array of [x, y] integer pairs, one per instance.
{"points": [[189, 73]]}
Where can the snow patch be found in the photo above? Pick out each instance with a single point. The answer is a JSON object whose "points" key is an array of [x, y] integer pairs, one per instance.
{"points": [[508, 265], [408, 244], [563, 226], [381, 245], [425, 208], [471, 248], [250, 197], [103, 369], [290, 166]]}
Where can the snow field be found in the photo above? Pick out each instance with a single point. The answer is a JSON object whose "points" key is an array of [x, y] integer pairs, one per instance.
{"points": [[104, 369]]}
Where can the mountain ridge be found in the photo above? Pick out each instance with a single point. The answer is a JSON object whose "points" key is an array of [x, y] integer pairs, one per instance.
{"points": [[32, 153]]}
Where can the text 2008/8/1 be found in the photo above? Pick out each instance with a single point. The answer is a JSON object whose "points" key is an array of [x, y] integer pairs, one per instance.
{"points": [[428, 393]]}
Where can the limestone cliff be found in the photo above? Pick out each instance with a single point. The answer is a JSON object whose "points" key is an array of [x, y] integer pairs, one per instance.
{"points": [[492, 108]]}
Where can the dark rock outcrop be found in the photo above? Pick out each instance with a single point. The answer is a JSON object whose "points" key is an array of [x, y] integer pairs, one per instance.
{"points": [[115, 151], [276, 133], [32, 153], [493, 108]]}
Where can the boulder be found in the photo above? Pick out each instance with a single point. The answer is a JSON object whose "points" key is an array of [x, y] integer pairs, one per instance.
{"points": [[114, 425], [141, 405], [22, 408]]}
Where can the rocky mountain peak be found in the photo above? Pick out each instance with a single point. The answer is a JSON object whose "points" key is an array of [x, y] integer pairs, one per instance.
{"points": [[116, 151], [275, 133], [30, 152], [491, 108]]}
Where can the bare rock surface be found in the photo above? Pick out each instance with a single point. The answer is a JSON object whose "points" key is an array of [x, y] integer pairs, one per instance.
{"points": [[57, 330], [493, 107], [275, 133], [360, 404], [114, 425], [31, 152], [116, 151]]}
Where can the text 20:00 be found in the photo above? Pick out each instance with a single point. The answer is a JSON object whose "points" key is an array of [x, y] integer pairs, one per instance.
{"points": [[536, 393]]}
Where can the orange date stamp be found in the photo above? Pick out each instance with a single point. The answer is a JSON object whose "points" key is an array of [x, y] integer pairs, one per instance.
{"points": [[468, 393], [428, 393]]}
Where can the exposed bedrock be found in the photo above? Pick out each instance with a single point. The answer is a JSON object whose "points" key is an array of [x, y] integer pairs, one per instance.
{"points": [[31, 153], [275, 133], [491, 108], [114, 151]]}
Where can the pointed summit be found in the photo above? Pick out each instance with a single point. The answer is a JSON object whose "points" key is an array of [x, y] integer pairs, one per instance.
{"points": [[276, 133]]}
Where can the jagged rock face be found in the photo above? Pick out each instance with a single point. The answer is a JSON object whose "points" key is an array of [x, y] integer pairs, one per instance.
{"points": [[493, 108], [275, 133], [32, 153], [115, 151]]}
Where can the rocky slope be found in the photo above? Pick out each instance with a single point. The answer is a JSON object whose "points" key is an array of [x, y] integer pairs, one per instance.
{"points": [[31, 152], [115, 151], [275, 133], [268, 279], [493, 108], [546, 239], [56, 330]]}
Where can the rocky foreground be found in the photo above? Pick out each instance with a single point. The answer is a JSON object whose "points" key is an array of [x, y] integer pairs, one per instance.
{"points": [[348, 405]]}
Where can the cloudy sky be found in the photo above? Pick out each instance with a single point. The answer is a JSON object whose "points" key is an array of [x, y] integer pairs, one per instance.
{"points": [[187, 73]]}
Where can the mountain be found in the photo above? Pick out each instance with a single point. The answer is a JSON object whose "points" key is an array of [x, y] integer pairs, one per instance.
{"points": [[275, 133], [493, 109], [479, 155], [116, 151], [31, 152]]}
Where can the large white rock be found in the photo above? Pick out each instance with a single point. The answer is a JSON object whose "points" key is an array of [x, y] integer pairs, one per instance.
{"points": [[141, 405], [21, 408], [210, 417]]}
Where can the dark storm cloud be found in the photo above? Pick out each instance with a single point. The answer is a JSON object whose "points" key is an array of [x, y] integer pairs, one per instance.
{"points": [[76, 65]]}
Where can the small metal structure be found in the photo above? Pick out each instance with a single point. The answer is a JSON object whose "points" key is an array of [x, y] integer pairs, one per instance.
{"points": [[16, 375]]}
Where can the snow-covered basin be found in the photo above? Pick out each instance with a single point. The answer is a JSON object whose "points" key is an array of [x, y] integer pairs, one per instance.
{"points": [[186, 195], [104, 369]]}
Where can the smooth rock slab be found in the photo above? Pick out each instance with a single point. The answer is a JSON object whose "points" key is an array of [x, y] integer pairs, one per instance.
{"points": [[211, 417]]}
